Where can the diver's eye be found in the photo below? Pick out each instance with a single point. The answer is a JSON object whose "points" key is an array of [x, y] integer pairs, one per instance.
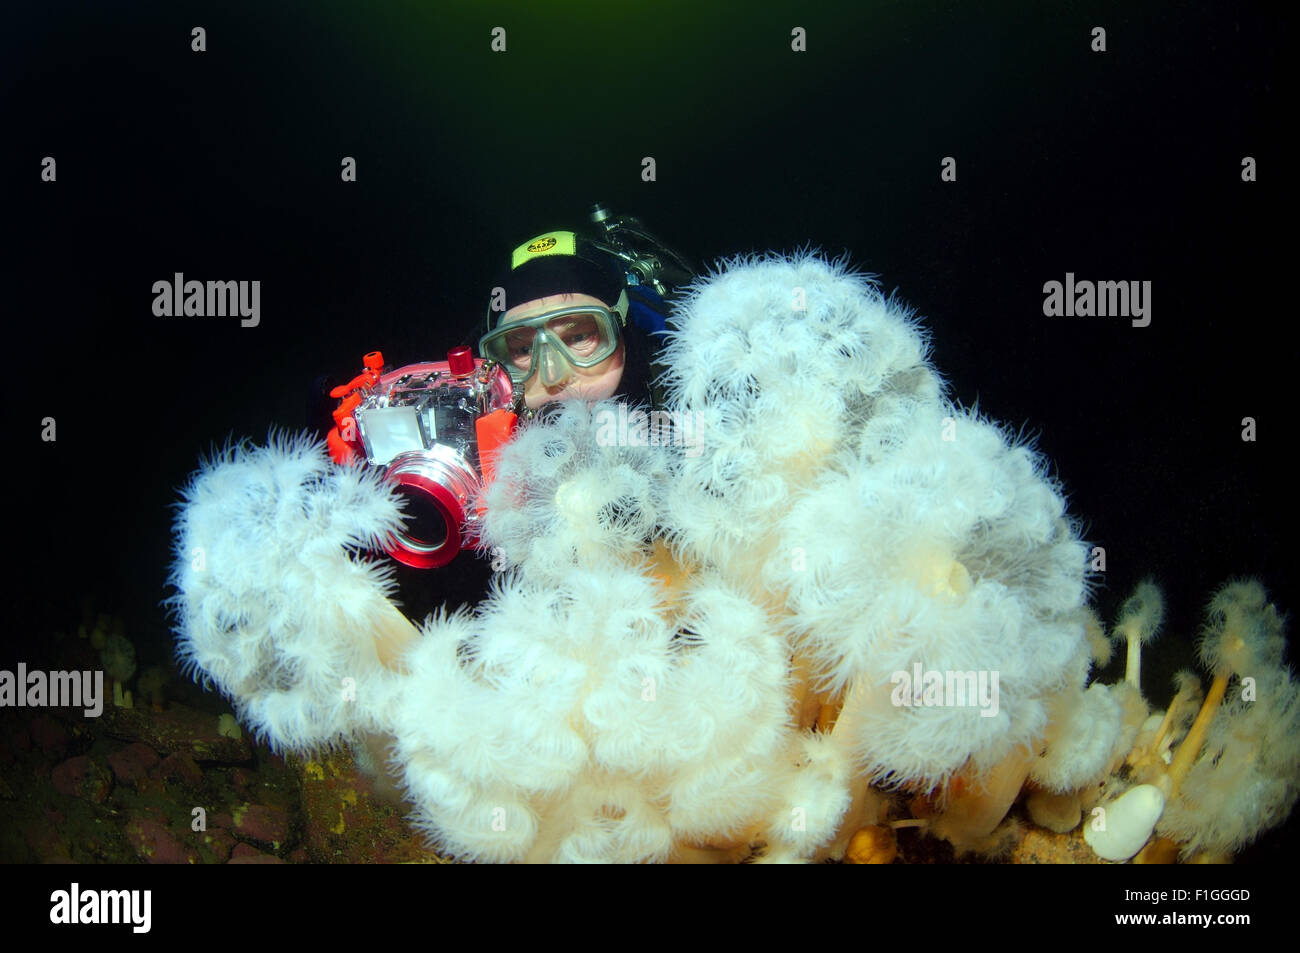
{"points": [[519, 345], [578, 332]]}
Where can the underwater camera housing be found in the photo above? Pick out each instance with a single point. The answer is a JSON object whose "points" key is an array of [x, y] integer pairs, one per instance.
{"points": [[434, 427]]}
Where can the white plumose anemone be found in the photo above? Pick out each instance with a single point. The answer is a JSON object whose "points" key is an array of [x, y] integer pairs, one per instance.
{"points": [[272, 589], [894, 528], [836, 513]]}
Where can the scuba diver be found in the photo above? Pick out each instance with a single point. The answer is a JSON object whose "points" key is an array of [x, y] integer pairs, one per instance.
{"points": [[578, 316], [572, 316]]}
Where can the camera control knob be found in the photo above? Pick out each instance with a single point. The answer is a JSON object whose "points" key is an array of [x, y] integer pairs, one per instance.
{"points": [[460, 361]]}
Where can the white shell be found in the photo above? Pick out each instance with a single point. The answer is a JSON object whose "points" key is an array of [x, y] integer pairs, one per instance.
{"points": [[1127, 823]]}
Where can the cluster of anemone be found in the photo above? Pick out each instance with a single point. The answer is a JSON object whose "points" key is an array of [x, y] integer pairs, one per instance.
{"points": [[1206, 776], [747, 650], [1237, 771]]}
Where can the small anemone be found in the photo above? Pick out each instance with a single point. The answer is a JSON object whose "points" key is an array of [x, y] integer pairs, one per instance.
{"points": [[118, 658], [1243, 630], [1140, 619]]}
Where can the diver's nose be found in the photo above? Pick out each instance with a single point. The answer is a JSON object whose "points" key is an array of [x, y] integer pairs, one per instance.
{"points": [[555, 367]]}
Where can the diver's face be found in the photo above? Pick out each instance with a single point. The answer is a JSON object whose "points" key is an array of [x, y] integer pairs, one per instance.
{"points": [[587, 383]]}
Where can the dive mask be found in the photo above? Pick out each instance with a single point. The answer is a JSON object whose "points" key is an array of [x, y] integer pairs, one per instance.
{"points": [[555, 342]]}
